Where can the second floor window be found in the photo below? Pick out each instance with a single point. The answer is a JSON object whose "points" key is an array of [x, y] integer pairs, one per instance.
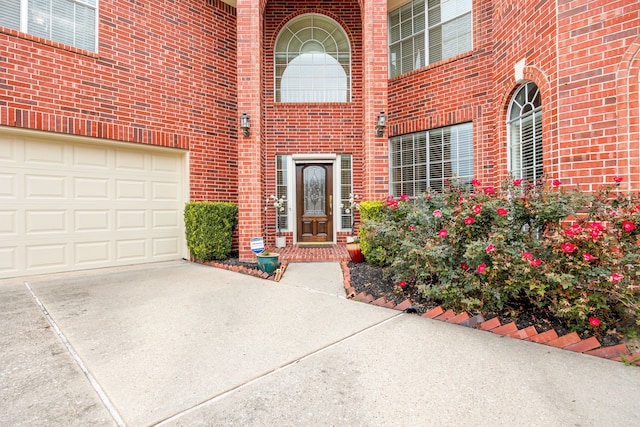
{"points": [[423, 32], [312, 61], [71, 22]]}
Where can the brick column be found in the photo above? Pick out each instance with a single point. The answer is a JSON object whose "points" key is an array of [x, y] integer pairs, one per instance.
{"points": [[250, 174], [375, 149]]}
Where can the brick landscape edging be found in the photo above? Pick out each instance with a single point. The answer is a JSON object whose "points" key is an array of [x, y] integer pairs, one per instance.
{"points": [[276, 276], [572, 341]]}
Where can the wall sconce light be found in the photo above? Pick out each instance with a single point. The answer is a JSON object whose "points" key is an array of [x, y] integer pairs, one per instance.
{"points": [[245, 124], [382, 123]]}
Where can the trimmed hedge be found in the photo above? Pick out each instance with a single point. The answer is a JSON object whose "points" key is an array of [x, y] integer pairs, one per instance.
{"points": [[209, 229]]}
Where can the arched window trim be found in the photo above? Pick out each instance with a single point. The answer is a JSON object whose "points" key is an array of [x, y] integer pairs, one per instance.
{"points": [[532, 107], [334, 34]]}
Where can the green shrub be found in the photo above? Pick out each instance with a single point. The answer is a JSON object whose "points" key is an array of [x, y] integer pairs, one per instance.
{"points": [[484, 248], [370, 210], [209, 229]]}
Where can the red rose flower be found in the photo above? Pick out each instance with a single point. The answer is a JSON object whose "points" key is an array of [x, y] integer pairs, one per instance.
{"points": [[594, 321], [401, 284], [628, 226], [412, 227], [617, 179], [568, 247], [517, 181], [468, 220], [502, 211], [556, 182], [596, 225], [404, 197], [477, 209], [481, 268], [489, 190], [527, 255], [490, 248], [535, 262], [595, 233], [588, 257], [442, 233], [475, 182], [464, 266]]}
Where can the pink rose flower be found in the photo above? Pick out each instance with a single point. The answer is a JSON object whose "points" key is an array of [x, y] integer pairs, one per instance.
{"points": [[502, 211], [490, 248], [437, 213], [477, 209], [616, 277], [535, 262], [527, 255], [628, 226], [481, 268], [594, 321], [588, 257], [469, 220], [442, 233], [568, 247], [475, 182], [489, 190], [517, 181]]}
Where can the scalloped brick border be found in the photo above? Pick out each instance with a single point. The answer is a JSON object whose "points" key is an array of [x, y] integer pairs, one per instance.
{"points": [[572, 342], [276, 276]]}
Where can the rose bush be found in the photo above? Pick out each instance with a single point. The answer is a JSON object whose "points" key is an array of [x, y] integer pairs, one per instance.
{"points": [[482, 248]]}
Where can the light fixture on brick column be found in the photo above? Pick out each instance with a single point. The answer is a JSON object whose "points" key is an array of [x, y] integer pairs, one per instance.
{"points": [[245, 124], [382, 123]]}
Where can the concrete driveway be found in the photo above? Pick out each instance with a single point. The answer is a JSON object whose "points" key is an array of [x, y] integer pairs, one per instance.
{"points": [[181, 344]]}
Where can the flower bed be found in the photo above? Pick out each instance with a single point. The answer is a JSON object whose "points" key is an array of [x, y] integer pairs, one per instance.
{"points": [[486, 249]]}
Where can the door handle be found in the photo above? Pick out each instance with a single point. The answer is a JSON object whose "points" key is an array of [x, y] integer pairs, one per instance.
{"points": [[330, 204]]}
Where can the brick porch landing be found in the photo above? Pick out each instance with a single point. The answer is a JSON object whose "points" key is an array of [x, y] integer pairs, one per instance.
{"points": [[294, 253]]}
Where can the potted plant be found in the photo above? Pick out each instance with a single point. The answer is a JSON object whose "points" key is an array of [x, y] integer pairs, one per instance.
{"points": [[353, 245], [268, 262], [278, 204]]}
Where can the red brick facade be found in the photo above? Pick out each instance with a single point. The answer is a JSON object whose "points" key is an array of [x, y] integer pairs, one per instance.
{"points": [[180, 73]]}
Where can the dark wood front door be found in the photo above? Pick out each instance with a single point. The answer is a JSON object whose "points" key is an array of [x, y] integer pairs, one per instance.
{"points": [[314, 196]]}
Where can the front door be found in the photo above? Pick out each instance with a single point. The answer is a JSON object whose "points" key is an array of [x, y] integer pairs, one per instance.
{"points": [[314, 195]]}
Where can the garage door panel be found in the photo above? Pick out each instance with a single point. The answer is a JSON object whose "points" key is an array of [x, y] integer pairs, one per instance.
{"points": [[92, 252], [131, 249], [130, 190], [8, 188], [45, 221], [70, 204], [165, 246], [39, 153], [165, 218], [164, 191], [50, 256], [130, 161], [131, 219], [44, 186], [8, 223], [91, 220], [91, 157], [91, 188]]}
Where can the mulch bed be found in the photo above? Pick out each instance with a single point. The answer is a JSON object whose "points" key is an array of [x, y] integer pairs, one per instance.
{"points": [[371, 280]]}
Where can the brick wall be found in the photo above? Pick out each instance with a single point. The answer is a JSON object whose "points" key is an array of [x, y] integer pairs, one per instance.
{"points": [[598, 91], [164, 74]]}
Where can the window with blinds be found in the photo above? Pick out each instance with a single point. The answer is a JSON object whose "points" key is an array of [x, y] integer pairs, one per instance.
{"points": [[312, 61], [71, 22], [444, 26], [428, 159], [282, 188], [524, 129], [346, 192]]}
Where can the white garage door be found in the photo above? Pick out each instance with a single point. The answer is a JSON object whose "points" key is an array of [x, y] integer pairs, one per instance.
{"points": [[72, 204]]}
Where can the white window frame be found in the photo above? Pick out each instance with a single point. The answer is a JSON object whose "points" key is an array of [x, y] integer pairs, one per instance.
{"points": [[421, 57], [534, 112], [304, 54], [422, 166], [24, 21]]}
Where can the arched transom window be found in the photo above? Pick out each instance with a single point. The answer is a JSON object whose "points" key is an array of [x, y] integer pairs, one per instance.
{"points": [[524, 127], [312, 61]]}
